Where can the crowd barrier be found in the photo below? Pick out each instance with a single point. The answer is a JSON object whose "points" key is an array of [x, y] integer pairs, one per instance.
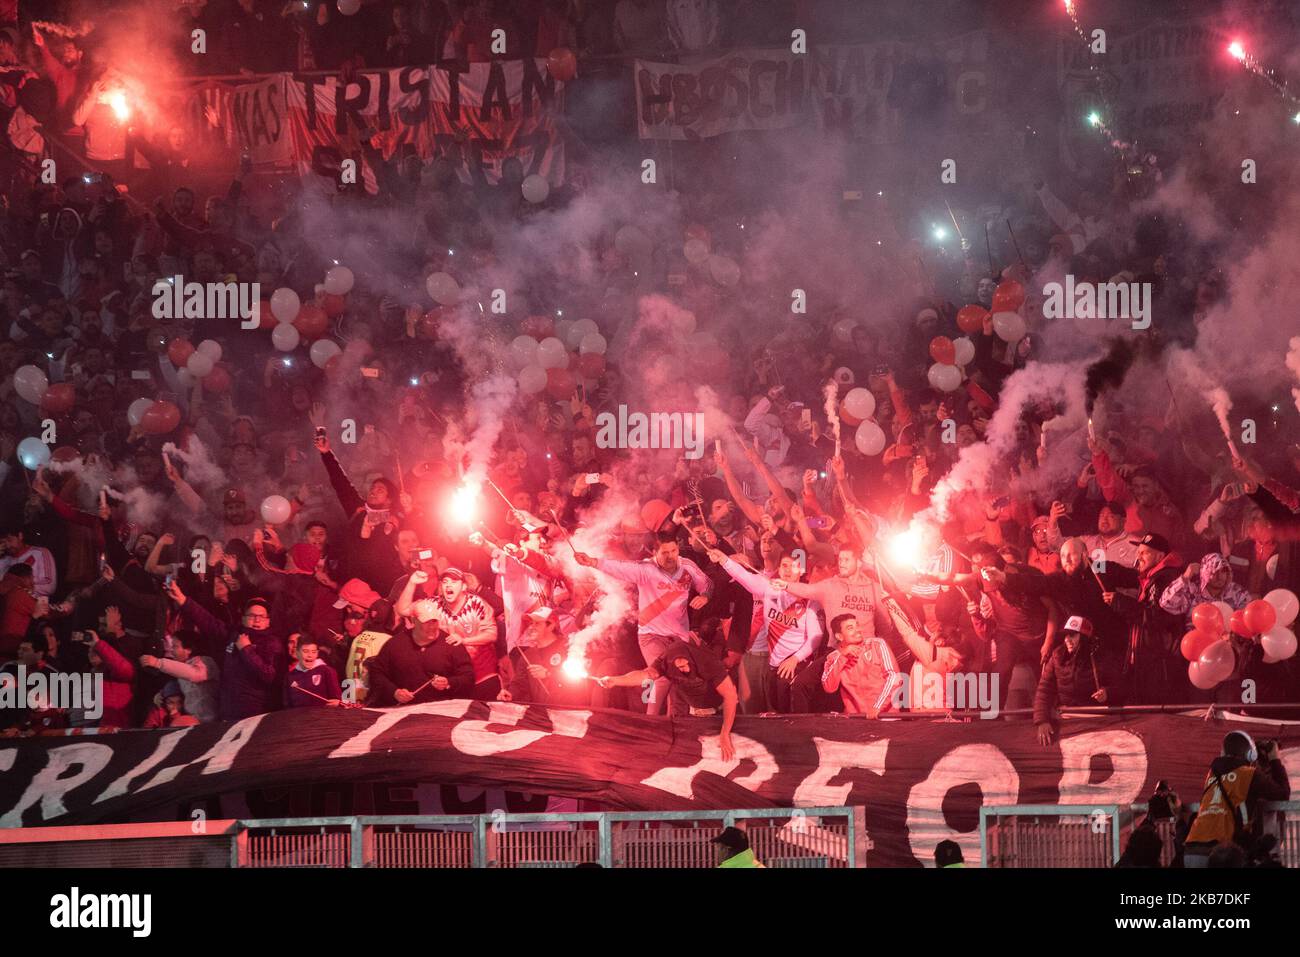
{"points": [[1011, 836], [1087, 835], [822, 837]]}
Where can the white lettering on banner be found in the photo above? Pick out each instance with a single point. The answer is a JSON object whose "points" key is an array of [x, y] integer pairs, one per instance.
{"points": [[1128, 758], [832, 758], [7, 759], [473, 737], [218, 758], [360, 744], [680, 781], [166, 745], [48, 785], [981, 764]]}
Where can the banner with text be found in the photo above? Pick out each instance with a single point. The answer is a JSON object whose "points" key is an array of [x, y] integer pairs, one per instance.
{"points": [[477, 115], [871, 92], [920, 782]]}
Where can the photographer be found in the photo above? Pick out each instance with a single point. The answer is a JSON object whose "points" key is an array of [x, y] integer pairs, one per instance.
{"points": [[1238, 780]]}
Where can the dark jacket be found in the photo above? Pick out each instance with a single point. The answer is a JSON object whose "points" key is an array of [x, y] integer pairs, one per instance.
{"points": [[321, 681], [374, 559], [555, 688], [401, 663], [251, 677], [1157, 671], [1070, 679]]}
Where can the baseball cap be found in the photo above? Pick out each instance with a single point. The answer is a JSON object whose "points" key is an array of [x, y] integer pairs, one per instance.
{"points": [[453, 572], [356, 592], [1079, 625], [542, 613], [233, 495], [425, 610], [733, 838], [1041, 521], [1152, 540]]}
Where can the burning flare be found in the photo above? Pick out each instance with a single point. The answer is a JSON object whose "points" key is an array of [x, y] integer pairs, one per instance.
{"points": [[464, 506], [575, 669]]}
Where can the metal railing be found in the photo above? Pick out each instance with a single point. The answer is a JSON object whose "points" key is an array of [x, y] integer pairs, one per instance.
{"points": [[1082, 835], [781, 837]]}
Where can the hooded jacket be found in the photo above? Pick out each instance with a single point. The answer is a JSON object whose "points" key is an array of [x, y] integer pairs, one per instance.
{"points": [[1070, 679], [1182, 595]]}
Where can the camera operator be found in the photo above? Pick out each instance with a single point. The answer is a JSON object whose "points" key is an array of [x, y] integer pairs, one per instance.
{"points": [[1239, 779]]}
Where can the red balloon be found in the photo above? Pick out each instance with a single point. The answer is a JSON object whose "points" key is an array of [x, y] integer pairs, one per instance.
{"points": [[160, 418], [1208, 619], [1238, 623], [592, 365], [65, 453], [311, 322], [539, 327], [1260, 616], [971, 319], [942, 350], [334, 305], [179, 351], [1194, 642], [1009, 296], [562, 64], [59, 398], [218, 380], [559, 383], [266, 318], [334, 367]]}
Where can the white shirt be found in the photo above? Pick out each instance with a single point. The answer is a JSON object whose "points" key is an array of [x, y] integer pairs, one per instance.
{"points": [[44, 575]]}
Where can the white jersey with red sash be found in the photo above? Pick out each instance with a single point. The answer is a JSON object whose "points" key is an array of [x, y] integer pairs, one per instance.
{"points": [[783, 625]]}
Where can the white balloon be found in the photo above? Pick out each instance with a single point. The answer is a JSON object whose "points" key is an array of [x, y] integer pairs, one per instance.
{"points": [[285, 304], [1285, 603], [535, 188], [1199, 677], [551, 353], [695, 250], [632, 242], [524, 350], [724, 270], [870, 438], [1010, 326], [30, 383], [532, 379], [349, 7], [592, 343], [34, 453], [185, 378], [1278, 643], [136, 410], [285, 337], [443, 288], [210, 348], [339, 281], [945, 378], [276, 509], [860, 403], [965, 350], [579, 331], [199, 364], [322, 351]]}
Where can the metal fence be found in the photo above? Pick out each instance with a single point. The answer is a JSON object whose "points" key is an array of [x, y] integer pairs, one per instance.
{"points": [[1082, 835], [784, 837]]}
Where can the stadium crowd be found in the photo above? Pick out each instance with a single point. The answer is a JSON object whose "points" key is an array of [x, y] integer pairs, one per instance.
{"points": [[274, 533]]}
